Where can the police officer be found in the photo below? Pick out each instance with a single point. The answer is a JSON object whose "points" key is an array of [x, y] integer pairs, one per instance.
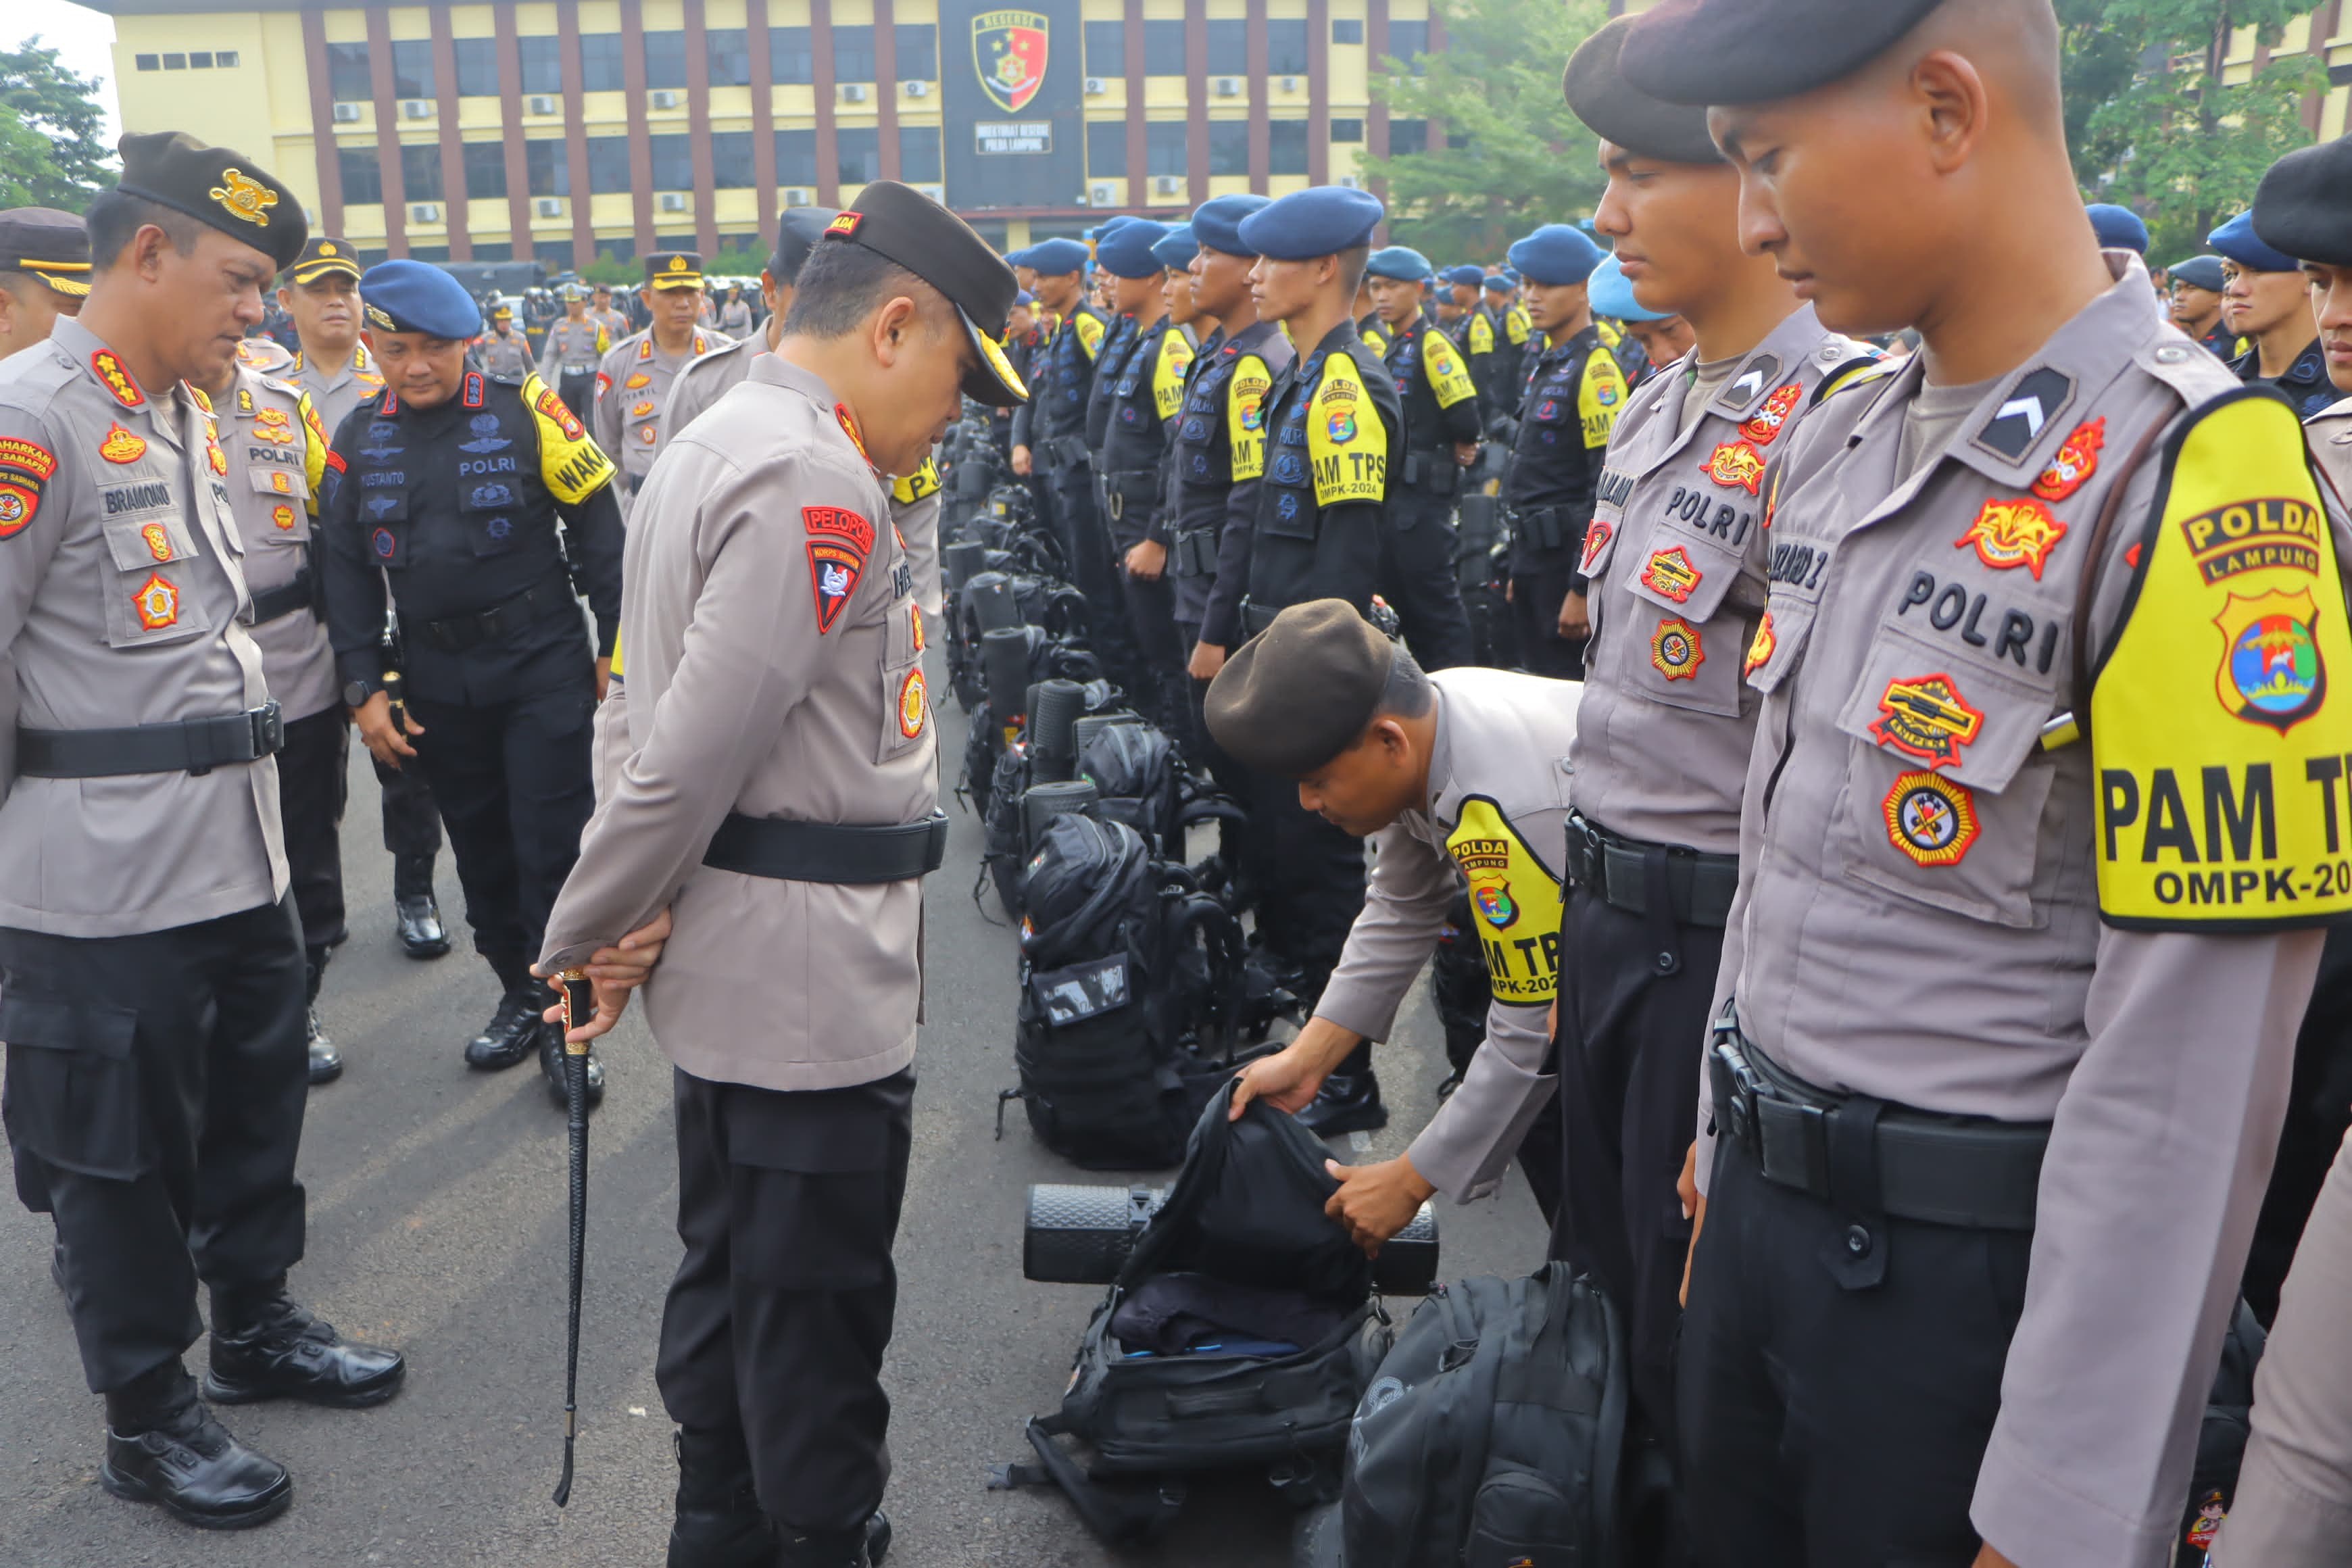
{"points": [[44, 273], [321, 295], [1573, 393], [617, 323], [735, 318], [1987, 1072], [794, 1078], [1049, 433], [1460, 778], [1474, 334], [504, 352], [1024, 344], [2117, 228], [635, 378], [150, 967], [452, 486], [1333, 423], [1368, 325], [1440, 442], [574, 346], [2264, 301], [2196, 297]]}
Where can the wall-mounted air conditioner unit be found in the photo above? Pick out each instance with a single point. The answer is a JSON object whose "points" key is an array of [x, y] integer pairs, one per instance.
{"points": [[1100, 194], [798, 196], [1290, 84], [539, 104], [1229, 87], [915, 89], [424, 212], [853, 92], [548, 206], [937, 193], [666, 98], [1168, 184], [347, 114], [1350, 183], [415, 108], [673, 201], [1095, 87]]}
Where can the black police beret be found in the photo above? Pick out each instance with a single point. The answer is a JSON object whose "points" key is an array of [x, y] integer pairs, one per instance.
{"points": [[1616, 111], [901, 223], [1299, 693], [2303, 205], [217, 187], [1752, 51], [797, 233]]}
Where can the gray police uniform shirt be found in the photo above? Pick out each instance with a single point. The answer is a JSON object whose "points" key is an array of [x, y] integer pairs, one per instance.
{"points": [[615, 322], [1967, 971], [573, 348], [801, 695], [914, 501], [506, 356], [338, 386], [1503, 737], [632, 383], [276, 455], [1676, 554], [119, 605]]}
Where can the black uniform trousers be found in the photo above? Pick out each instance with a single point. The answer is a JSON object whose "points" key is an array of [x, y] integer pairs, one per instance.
{"points": [[1152, 614], [1086, 543], [412, 826], [1417, 577], [788, 1204], [155, 1106], [2319, 1109], [1308, 879], [1839, 1378], [514, 786], [313, 783], [1536, 598]]}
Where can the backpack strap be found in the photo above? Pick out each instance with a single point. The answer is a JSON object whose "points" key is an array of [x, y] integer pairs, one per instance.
{"points": [[1120, 1515]]}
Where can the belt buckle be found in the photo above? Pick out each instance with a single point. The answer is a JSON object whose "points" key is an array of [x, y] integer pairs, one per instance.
{"points": [[268, 722]]}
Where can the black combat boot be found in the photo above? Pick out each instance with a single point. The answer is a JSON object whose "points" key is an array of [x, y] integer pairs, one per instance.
{"points": [[266, 1347], [831, 1548], [414, 908], [163, 1447], [326, 1062], [1347, 1102], [719, 1522], [513, 1032]]}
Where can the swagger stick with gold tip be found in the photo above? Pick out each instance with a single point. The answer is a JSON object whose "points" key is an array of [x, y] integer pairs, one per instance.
{"points": [[579, 1006]]}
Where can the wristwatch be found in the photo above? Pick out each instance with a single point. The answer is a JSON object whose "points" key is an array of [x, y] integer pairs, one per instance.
{"points": [[357, 693]]}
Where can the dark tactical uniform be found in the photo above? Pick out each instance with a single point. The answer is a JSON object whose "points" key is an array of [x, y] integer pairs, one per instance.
{"points": [[1053, 426], [1219, 461], [458, 507], [1573, 395], [1142, 408], [1440, 403], [2304, 382]]}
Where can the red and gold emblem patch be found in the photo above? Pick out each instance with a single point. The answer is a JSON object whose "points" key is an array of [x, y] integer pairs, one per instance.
{"points": [[1924, 716], [911, 703], [282, 516], [833, 572], [1669, 573], [215, 456], [37, 461], [841, 523], [117, 380], [1930, 818], [915, 624], [1597, 535], [157, 602], [273, 425], [2077, 460], [849, 421], [553, 408], [1766, 422], [158, 540], [18, 505], [1675, 651], [2009, 534], [121, 446], [636, 381], [638, 411], [1759, 647], [1735, 465], [604, 384], [282, 482]]}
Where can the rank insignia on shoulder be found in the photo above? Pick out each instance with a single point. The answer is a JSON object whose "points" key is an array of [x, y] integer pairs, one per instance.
{"points": [[2038, 398], [2012, 532], [1735, 465], [1675, 649], [1931, 818], [833, 572], [2076, 461], [1760, 647], [1765, 423], [841, 523], [117, 380], [1924, 716], [1669, 573]]}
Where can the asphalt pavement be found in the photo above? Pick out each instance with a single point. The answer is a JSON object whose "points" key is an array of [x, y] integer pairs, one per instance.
{"points": [[437, 1224]]}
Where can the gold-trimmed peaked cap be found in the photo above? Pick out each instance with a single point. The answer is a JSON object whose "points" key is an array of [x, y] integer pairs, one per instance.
{"points": [[49, 245], [216, 186], [904, 225], [325, 255], [674, 270]]}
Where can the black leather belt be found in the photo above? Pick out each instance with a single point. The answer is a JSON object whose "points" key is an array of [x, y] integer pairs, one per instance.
{"points": [[273, 603], [456, 633], [190, 746], [1616, 871], [1432, 473], [1946, 1170], [794, 851]]}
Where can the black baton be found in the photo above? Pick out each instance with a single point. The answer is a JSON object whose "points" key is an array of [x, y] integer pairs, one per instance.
{"points": [[579, 1006]]}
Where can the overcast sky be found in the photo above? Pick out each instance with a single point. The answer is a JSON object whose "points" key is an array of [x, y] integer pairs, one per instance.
{"points": [[83, 38]]}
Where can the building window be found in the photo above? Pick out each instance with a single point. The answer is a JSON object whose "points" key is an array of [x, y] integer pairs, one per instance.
{"points": [[796, 157], [201, 61], [412, 67], [175, 62], [1107, 48], [791, 58], [1346, 130], [485, 169], [147, 62], [1163, 48], [478, 68], [1286, 147], [608, 166], [1408, 41], [1163, 147], [919, 154], [666, 59], [729, 51], [1286, 48], [420, 170], [731, 161], [852, 53], [1348, 29], [600, 62], [861, 152], [545, 167], [1107, 149], [672, 162], [226, 59], [1408, 136], [363, 176], [543, 65], [1229, 147], [347, 73], [918, 44], [1228, 47]]}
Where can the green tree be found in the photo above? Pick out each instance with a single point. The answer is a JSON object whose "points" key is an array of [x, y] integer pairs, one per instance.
{"points": [[1514, 155], [2152, 125], [52, 152]]}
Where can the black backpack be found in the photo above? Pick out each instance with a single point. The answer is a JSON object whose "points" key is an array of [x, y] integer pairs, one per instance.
{"points": [[1490, 1436], [2222, 1438], [1246, 1211]]}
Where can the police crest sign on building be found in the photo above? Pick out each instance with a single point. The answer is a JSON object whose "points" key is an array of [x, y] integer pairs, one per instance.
{"points": [[1009, 49]]}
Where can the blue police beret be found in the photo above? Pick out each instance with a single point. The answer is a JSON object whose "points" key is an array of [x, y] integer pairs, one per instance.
{"points": [[1320, 220], [1556, 254], [1056, 257], [2199, 272], [2119, 228], [1401, 262], [2237, 241], [1017, 257], [1023, 298], [1217, 222], [1610, 295], [1465, 275], [1496, 283], [1513, 274], [405, 296], [1175, 249], [1125, 251]]}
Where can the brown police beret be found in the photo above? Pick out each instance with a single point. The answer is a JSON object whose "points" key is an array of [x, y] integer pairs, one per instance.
{"points": [[1300, 692]]}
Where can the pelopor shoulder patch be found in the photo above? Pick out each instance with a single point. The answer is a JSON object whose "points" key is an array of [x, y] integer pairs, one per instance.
{"points": [[1514, 902], [2219, 744], [1346, 443], [571, 464]]}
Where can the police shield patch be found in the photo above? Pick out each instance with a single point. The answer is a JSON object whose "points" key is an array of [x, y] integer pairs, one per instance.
{"points": [[1008, 50]]}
